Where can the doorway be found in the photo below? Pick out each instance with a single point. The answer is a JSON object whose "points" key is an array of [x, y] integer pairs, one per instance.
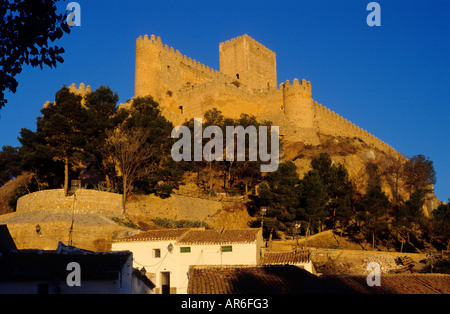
{"points": [[165, 282]]}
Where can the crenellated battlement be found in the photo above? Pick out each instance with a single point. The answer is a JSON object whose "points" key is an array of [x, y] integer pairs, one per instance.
{"points": [[142, 42], [302, 88], [332, 123], [82, 90], [233, 41], [246, 83]]}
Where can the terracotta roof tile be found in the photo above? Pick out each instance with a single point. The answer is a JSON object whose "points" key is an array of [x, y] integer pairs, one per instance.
{"points": [[216, 236], [282, 258], [288, 279], [155, 235], [392, 284], [195, 236], [242, 279]]}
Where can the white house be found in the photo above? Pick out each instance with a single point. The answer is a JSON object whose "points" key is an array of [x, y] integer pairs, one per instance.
{"points": [[168, 253]]}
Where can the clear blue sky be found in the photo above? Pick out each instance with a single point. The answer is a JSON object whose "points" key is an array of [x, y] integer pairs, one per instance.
{"points": [[393, 80]]}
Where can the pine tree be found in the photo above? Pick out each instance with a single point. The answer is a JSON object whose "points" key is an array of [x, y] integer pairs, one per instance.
{"points": [[63, 127]]}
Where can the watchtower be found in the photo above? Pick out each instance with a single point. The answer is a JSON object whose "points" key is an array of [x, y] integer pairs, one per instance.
{"points": [[297, 103], [249, 62]]}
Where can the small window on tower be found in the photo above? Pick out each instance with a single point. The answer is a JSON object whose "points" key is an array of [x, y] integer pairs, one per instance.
{"points": [[180, 109], [237, 76]]}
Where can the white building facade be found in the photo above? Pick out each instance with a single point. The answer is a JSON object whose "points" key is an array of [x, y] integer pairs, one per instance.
{"points": [[167, 254]]}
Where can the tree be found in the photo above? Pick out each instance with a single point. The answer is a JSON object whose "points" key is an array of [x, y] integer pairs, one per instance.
{"points": [[103, 116], [63, 127], [313, 200], [128, 151], [164, 174], [419, 174], [393, 172], [235, 173], [374, 207], [338, 189], [440, 222], [9, 163], [279, 192], [409, 217], [37, 157], [26, 29], [140, 149]]}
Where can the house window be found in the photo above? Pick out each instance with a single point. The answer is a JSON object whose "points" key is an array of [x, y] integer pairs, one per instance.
{"points": [[227, 248], [186, 249], [156, 253]]}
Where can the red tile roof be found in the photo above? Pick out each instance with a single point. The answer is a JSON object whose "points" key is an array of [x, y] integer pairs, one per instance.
{"points": [[288, 279], [282, 258], [216, 236], [241, 279], [392, 284], [155, 235], [196, 236]]}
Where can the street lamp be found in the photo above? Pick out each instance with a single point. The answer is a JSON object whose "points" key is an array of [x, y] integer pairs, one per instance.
{"points": [[297, 225], [263, 212]]}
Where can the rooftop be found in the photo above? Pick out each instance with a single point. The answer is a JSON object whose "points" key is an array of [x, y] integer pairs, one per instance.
{"points": [[288, 279], [242, 279], [282, 258], [216, 236], [154, 235], [196, 236], [40, 264]]}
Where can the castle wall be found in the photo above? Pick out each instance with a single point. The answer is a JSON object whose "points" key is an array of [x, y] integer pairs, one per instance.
{"points": [[329, 122], [186, 89], [162, 70], [84, 201]]}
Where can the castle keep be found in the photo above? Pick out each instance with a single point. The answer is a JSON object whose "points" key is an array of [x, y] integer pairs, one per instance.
{"points": [[246, 83]]}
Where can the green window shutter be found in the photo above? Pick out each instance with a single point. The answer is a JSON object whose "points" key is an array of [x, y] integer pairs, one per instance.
{"points": [[186, 249], [227, 248]]}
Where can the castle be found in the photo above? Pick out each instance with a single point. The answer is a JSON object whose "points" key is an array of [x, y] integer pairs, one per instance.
{"points": [[246, 83]]}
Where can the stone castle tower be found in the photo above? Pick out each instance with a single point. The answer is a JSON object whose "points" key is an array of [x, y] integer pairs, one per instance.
{"points": [[246, 83]]}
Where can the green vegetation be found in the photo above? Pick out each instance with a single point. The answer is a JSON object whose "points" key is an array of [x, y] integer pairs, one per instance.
{"points": [[325, 199], [172, 223], [129, 152]]}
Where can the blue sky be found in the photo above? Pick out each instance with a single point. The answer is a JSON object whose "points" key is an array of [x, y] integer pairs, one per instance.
{"points": [[392, 80]]}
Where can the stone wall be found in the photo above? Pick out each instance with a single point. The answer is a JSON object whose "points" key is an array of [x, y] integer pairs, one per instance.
{"points": [[93, 237], [329, 122], [83, 201], [217, 214]]}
